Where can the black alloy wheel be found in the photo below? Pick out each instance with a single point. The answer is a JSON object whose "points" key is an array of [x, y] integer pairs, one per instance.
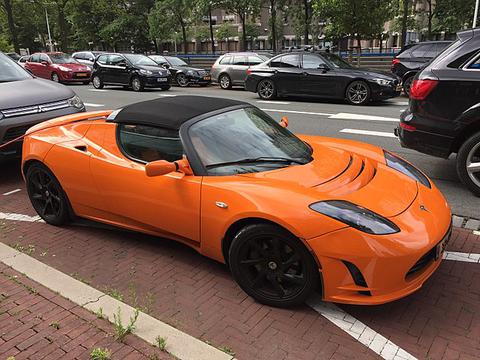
{"points": [[182, 80], [97, 82], [358, 93], [46, 195], [468, 163], [137, 84], [266, 89], [225, 82], [272, 265]]}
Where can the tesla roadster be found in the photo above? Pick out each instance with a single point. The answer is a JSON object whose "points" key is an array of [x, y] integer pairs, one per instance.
{"points": [[288, 214]]}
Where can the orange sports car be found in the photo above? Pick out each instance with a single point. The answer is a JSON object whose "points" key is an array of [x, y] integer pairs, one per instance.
{"points": [[288, 214]]}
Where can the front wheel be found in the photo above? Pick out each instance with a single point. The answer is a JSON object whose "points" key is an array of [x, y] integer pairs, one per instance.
{"points": [[266, 89], [225, 82], [137, 84], [358, 93], [182, 80], [97, 82], [46, 195], [272, 265], [55, 77], [468, 163]]}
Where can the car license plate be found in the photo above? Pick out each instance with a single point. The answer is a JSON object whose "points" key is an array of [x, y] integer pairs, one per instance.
{"points": [[81, 74], [399, 87], [206, 78], [162, 79], [442, 245]]}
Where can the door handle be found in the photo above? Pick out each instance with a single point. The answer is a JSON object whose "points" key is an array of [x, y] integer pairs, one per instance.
{"points": [[82, 148]]}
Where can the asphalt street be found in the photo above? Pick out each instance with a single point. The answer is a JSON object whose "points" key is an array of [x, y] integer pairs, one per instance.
{"points": [[373, 124]]}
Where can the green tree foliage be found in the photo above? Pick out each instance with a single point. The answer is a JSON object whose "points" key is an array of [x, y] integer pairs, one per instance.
{"points": [[453, 15], [245, 10]]}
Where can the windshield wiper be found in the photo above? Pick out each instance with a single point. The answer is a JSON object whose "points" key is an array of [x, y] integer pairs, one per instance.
{"points": [[258, 159]]}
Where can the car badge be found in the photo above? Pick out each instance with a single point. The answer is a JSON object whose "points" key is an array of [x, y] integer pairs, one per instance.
{"points": [[423, 208], [221, 204]]}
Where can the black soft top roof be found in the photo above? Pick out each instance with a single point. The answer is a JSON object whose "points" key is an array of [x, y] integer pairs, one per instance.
{"points": [[170, 112]]}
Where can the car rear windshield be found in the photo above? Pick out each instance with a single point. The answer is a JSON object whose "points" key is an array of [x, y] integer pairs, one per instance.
{"points": [[11, 71], [139, 59], [62, 59]]}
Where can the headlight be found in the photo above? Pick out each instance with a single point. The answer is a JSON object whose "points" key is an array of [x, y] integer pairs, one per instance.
{"points": [[63, 68], [405, 168], [145, 72], [76, 102], [1, 115], [356, 216], [382, 82], [191, 72]]}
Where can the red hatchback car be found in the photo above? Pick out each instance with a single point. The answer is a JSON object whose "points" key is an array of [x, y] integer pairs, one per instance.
{"points": [[59, 67]]}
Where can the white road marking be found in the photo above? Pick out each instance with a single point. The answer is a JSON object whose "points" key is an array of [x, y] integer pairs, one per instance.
{"points": [[179, 344], [400, 103], [167, 95], [12, 192], [460, 256], [368, 132], [19, 217], [98, 90], [476, 232], [348, 116], [297, 112], [358, 330], [273, 102], [93, 105]]}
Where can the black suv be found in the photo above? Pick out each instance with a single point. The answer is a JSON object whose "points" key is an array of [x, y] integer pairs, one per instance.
{"points": [[134, 71], [412, 58], [444, 112]]}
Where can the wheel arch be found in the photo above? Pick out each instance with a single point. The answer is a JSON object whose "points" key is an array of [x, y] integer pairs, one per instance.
{"points": [[409, 74], [466, 132]]}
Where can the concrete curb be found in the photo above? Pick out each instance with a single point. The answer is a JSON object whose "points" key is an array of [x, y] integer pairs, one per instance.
{"points": [[179, 344]]}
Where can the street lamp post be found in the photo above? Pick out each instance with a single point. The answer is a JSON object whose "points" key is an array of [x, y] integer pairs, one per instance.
{"points": [[48, 29], [476, 13]]}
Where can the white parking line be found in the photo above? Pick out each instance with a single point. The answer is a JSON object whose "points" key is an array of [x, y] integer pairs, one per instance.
{"points": [[93, 105], [19, 217], [12, 192], [98, 90], [167, 95], [297, 112], [273, 102], [459, 256], [358, 330], [368, 132], [399, 103], [348, 116]]}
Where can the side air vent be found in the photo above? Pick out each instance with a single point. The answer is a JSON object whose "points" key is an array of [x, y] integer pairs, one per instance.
{"points": [[357, 277]]}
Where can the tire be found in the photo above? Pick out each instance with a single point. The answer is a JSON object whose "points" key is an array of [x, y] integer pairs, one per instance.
{"points": [[86, 82], [137, 84], [357, 93], [97, 82], [225, 82], [407, 84], [165, 88], [272, 266], [181, 80], [55, 77], [47, 196], [467, 156], [266, 89]]}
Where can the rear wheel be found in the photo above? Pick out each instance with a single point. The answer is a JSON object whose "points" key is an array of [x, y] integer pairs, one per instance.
{"points": [[272, 265], [468, 163], [182, 80], [266, 89], [46, 195], [97, 82], [358, 93], [407, 84], [225, 82], [137, 84], [55, 77]]}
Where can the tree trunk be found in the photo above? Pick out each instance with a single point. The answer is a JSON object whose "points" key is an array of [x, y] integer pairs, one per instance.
{"points": [[307, 21], [273, 20], [244, 32], [11, 24], [62, 27], [212, 39], [404, 22], [430, 17], [184, 36]]}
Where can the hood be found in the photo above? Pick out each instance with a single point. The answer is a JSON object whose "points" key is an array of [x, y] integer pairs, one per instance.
{"points": [[153, 68], [337, 173], [378, 74], [31, 92], [186, 68], [73, 67]]}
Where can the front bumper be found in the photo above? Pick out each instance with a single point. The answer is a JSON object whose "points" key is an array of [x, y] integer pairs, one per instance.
{"points": [[199, 80], [393, 266], [75, 76], [11, 128], [381, 92], [157, 81]]}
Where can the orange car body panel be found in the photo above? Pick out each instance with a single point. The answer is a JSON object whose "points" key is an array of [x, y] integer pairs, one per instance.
{"points": [[102, 184]]}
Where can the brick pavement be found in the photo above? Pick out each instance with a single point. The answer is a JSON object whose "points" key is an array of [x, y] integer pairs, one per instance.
{"points": [[36, 323], [199, 297]]}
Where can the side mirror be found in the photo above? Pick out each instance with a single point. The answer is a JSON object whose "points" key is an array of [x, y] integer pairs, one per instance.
{"points": [[44, 62], [166, 66], [163, 167], [323, 67], [284, 122], [122, 64]]}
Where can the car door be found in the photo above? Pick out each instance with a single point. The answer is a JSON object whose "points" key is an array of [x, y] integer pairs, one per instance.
{"points": [[32, 64], [317, 81], [238, 69], [287, 73], [101, 67], [118, 70], [168, 204], [44, 66]]}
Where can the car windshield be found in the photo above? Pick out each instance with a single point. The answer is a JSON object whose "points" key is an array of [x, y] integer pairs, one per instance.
{"points": [[337, 61], [246, 140], [62, 59], [139, 59], [175, 61], [11, 71]]}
